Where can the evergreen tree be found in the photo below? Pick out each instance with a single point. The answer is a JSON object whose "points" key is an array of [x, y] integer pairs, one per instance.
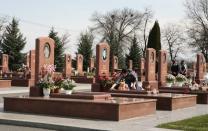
{"points": [[58, 51], [135, 53], [85, 47], [154, 40], [12, 44]]}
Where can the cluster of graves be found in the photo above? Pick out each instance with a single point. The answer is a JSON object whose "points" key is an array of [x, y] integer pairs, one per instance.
{"points": [[109, 105]]}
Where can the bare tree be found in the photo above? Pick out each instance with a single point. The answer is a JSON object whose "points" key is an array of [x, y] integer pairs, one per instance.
{"points": [[65, 38], [197, 13], [3, 22], [117, 28], [173, 39], [144, 34]]}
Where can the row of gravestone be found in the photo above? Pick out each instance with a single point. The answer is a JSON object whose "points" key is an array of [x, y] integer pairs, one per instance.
{"points": [[44, 54], [102, 56]]}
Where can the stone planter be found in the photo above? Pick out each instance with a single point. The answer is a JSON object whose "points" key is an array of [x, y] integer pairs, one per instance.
{"points": [[56, 90], [46, 92], [69, 92], [168, 84], [180, 84]]}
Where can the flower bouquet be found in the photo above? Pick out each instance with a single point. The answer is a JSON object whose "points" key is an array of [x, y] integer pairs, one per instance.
{"points": [[46, 82], [170, 79], [180, 79], [68, 85], [105, 82]]}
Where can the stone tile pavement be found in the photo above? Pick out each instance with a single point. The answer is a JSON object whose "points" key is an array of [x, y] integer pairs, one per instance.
{"points": [[146, 123]]}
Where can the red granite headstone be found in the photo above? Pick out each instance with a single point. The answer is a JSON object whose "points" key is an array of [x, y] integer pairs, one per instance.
{"points": [[44, 55], [115, 63], [80, 64], [102, 65], [67, 66], [200, 68], [162, 67], [27, 60], [102, 58], [92, 63], [130, 64], [141, 70], [32, 63], [5, 63], [150, 69]]}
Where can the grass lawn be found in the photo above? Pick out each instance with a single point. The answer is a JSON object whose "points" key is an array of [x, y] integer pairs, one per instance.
{"points": [[199, 123]]}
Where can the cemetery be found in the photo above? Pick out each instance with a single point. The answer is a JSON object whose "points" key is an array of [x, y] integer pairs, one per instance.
{"points": [[100, 102], [121, 73], [108, 101]]}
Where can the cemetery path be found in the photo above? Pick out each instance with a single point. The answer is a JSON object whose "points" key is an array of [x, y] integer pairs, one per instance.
{"points": [[146, 123]]}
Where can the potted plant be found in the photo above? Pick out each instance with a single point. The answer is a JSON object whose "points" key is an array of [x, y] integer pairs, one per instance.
{"points": [[106, 83], [90, 74], [170, 80], [46, 84], [180, 79], [68, 85], [57, 84]]}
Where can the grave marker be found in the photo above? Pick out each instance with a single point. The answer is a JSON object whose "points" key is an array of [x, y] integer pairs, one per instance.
{"points": [[102, 58], [67, 66], [130, 64], [200, 68], [5, 63], [80, 64], [162, 65], [150, 69], [44, 55], [115, 63]]}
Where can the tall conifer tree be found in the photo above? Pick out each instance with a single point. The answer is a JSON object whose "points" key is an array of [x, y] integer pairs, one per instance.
{"points": [[58, 51], [154, 40], [12, 44]]}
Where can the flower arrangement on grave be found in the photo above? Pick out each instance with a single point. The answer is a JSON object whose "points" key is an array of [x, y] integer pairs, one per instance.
{"points": [[170, 78], [181, 79], [105, 82], [57, 84], [22, 68], [46, 81], [68, 85], [90, 74]]}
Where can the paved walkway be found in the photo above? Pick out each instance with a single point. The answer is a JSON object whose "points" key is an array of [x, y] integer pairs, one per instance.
{"points": [[147, 123]]}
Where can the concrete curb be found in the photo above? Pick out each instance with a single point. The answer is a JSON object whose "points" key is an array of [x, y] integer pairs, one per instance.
{"points": [[45, 125]]}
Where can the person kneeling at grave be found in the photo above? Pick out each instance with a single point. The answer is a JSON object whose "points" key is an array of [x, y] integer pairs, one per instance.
{"points": [[133, 80], [120, 80]]}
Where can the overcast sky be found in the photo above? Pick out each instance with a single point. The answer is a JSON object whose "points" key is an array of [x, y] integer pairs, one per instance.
{"points": [[37, 16]]}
